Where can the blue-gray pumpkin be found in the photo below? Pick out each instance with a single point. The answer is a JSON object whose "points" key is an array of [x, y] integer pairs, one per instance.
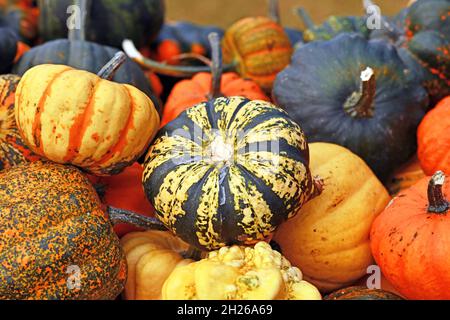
{"points": [[8, 49], [108, 22], [355, 93], [85, 55], [421, 34]]}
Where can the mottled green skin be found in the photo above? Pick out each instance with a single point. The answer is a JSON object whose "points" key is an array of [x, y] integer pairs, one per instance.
{"points": [[50, 219], [211, 203], [362, 293], [109, 21], [335, 26]]}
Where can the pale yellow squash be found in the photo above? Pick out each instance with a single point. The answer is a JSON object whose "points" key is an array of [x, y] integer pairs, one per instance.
{"points": [[151, 258], [75, 117], [239, 273], [329, 238]]}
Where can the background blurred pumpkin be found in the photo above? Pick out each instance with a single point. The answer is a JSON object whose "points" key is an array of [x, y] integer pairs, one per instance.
{"points": [[329, 238], [362, 293], [332, 27], [13, 151], [188, 93], [355, 93], [405, 177], [102, 127], [151, 256], [256, 48], [21, 18], [204, 86], [8, 49], [51, 220], [80, 54], [421, 33], [239, 273], [259, 48], [228, 171], [434, 139], [181, 37], [410, 240], [107, 22], [124, 191]]}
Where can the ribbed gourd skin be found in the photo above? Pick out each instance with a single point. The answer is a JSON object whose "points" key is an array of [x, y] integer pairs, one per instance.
{"points": [[231, 185], [52, 222], [103, 127], [260, 47], [13, 151]]}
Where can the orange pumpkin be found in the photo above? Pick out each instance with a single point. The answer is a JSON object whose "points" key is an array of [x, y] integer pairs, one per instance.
{"points": [[189, 93], [434, 139], [410, 240], [124, 191], [75, 117], [260, 49]]}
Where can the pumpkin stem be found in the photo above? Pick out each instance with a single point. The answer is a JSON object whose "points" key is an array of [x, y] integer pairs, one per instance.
{"points": [[361, 104], [117, 216], [318, 186], [274, 11], [109, 70], [305, 17], [77, 32], [193, 56], [216, 66], [193, 254], [436, 199], [163, 68]]}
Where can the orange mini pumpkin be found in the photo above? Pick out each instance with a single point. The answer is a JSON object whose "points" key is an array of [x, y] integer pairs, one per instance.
{"points": [[410, 240], [259, 47], [201, 88], [75, 117], [434, 139]]}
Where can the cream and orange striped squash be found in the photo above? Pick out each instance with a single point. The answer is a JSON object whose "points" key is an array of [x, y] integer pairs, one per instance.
{"points": [[76, 117]]}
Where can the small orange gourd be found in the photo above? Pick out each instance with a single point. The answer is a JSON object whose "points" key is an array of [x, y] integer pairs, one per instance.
{"points": [[410, 240], [434, 139], [204, 86]]}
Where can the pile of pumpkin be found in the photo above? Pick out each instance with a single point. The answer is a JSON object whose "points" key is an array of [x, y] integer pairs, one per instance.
{"points": [[268, 173]]}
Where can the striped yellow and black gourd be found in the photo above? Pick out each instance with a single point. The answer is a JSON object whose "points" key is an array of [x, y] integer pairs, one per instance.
{"points": [[228, 171]]}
